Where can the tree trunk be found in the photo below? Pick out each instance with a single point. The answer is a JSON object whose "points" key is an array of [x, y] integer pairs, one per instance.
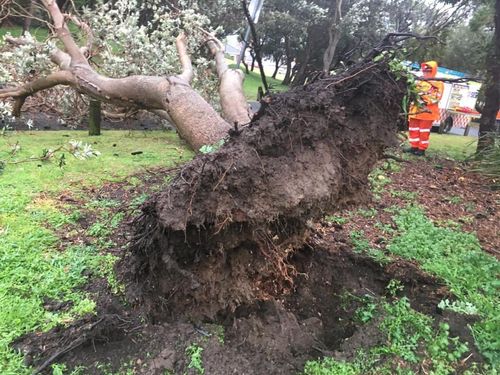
{"points": [[492, 93], [27, 20], [247, 71], [293, 72], [333, 38], [289, 59], [95, 117], [252, 66], [276, 67], [301, 74]]}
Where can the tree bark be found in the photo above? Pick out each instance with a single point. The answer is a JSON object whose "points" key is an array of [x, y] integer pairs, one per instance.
{"points": [[233, 101], [27, 20], [492, 94], [95, 117], [333, 38], [257, 46], [289, 59], [301, 74], [276, 67], [247, 71], [252, 65]]}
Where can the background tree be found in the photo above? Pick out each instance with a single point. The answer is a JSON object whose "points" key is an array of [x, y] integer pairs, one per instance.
{"points": [[492, 88]]}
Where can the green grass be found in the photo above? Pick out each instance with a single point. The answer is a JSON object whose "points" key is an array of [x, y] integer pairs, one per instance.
{"points": [[32, 267], [453, 146], [458, 259], [253, 81], [408, 337], [38, 33]]}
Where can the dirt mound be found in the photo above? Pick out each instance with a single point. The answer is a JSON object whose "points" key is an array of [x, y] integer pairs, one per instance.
{"points": [[220, 234]]}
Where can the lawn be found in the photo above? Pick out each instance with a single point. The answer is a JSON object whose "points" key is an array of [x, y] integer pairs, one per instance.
{"points": [[453, 146], [253, 81], [33, 266]]}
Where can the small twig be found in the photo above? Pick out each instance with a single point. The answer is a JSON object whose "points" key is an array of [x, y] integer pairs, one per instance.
{"points": [[256, 45], [352, 76], [73, 345], [394, 157]]}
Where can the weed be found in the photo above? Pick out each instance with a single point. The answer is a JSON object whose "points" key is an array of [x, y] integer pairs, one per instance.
{"points": [[458, 259], [448, 224], [194, 352], [466, 219], [404, 328], [336, 219], [368, 213], [359, 241], [384, 228], [99, 230], [329, 366], [138, 201], [391, 166], [394, 287], [103, 203], [455, 199], [220, 334], [208, 149], [366, 312], [378, 180], [470, 206], [460, 307], [362, 245], [405, 195]]}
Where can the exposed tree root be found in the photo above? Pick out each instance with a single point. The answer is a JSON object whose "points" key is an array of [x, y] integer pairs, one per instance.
{"points": [[222, 232]]}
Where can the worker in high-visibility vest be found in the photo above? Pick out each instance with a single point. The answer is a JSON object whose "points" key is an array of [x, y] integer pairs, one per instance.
{"points": [[423, 113]]}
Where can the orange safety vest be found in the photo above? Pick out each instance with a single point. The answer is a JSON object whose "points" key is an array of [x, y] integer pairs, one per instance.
{"points": [[430, 93]]}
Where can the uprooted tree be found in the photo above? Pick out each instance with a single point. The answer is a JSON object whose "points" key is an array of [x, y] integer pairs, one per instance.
{"points": [[222, 233]]}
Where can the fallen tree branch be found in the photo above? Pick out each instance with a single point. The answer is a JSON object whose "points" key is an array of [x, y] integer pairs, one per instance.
{"points": [[187, 67], [20, 94], [232, 98]]}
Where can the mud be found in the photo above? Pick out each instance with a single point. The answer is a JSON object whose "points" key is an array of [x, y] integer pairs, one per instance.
{"points": [[274, 336], [221, 234]]}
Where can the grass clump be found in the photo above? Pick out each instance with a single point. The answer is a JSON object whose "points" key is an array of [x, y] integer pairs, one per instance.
{"points": [[488, 163], [194, 353], [458, 259], [410, 338]]}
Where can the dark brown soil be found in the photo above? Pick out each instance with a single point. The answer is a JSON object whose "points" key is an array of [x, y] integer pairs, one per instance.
{"points": [[275, 336]]}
